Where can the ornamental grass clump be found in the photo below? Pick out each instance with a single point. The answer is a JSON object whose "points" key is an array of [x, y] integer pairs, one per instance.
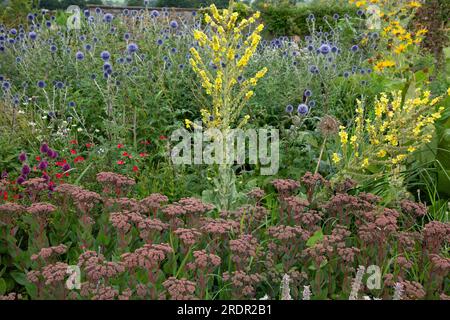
{"points": [[382, 140]]}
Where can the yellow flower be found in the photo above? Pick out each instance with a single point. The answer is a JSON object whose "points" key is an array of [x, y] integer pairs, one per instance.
{"points": [[381, 153], [400, 48], [336, 158], [448, 91], [249, 94], [414, 4], [411, 149], [365, 163]]}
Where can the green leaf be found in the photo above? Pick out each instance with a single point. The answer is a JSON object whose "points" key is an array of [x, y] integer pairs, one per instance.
{"points": [[19, 277], [316, 237], [2, 286]]}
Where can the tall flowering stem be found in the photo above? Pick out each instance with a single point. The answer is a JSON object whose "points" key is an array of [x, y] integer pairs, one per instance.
{"points": [[220, 60], [387, 136], [221, 63]]}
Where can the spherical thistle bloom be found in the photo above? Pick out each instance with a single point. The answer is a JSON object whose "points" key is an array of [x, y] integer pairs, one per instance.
{"points": [[159, 42], [173, 24], [359, 12], [32, 35], [105, 55], [346, 74], [66, 167], [107, 66], [41, 84], [302, 109], [289, 108], [79, 55], [335, 16], [108, 17], [354, 48], [13, 31], [155, 13], [307, 93], [324, 49], [53, 48], [59, 85], [132, 48]]}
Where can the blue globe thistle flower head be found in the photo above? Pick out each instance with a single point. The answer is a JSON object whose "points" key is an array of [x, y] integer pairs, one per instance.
{"points": [[312, 104], [310, 47], [88, 47], [313, 69], [59, 85], [98, 10], [369, 71], [2, 38], [2, 48], [181, 66], [11, 40], [359, 12], [53, 18], [107, 66], [127, 36], [86, 13], [302, 109], [2, 77], [32, 35], [311, 17], [354, 48], [53, 48], [173, 50], [129, 59], [18, 59], [132, 48], [48, 24], [334, 49], [121, 60], [6, 85], [173, 24], [93, 76], [82, 38], [155, 13], [336, 16], [105, 55], [79, 55], [146, 2], [240, 79], [346, 74], [72, 104], [324, 49], [307, 93], [95, 39], [30, 16], [108, 18], [126, 12], [41, 84], [289, 108], [194, 13]]}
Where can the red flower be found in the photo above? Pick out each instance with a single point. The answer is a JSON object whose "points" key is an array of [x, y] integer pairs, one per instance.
{"points": [[73, 142], [162, 138], [125, 154], [143, 154], [73, 151], [120, 162], [59, 176], [146, 142], [38, 158], [89, 145], [120, 146], [78, 159], [135, 168], [5, 195]]}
